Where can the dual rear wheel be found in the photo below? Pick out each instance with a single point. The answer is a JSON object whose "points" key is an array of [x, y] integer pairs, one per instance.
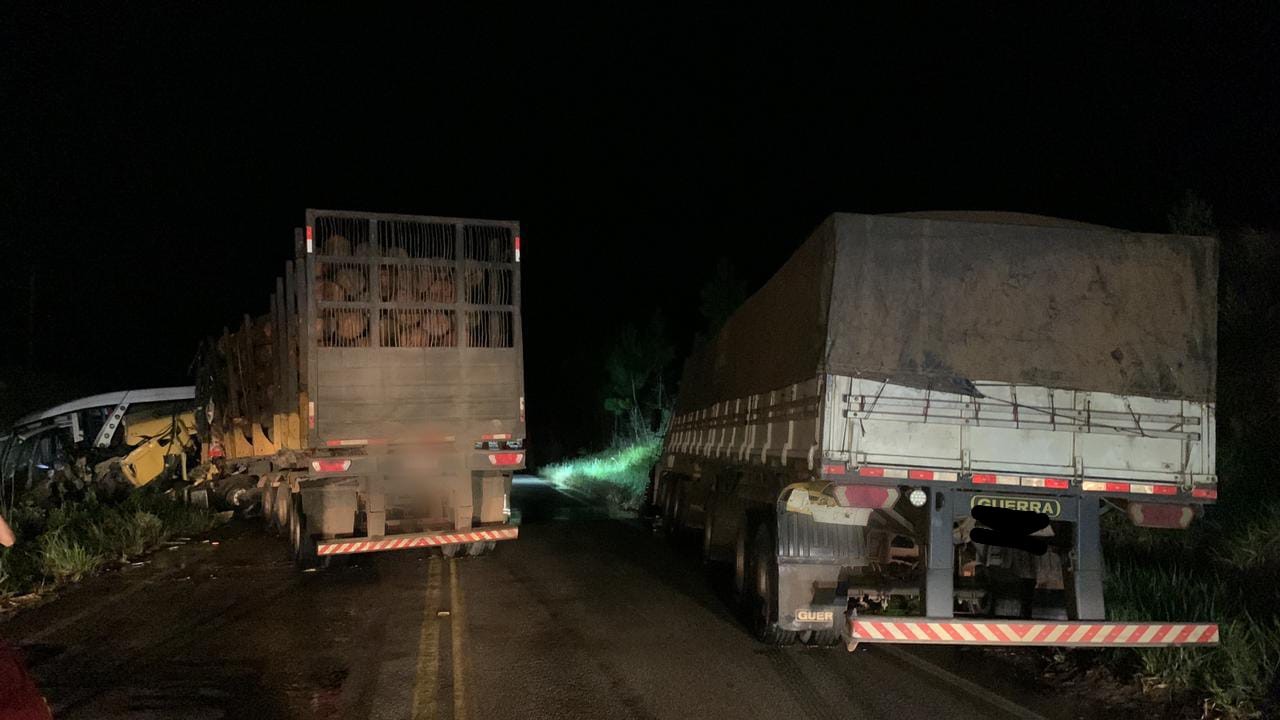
{"points": [[755, 581], [755, 587], [301, 540]]}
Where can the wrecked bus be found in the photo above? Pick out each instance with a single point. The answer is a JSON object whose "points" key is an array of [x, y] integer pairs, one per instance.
{"points": [[113, 441], [912, 431], [379, 404]]}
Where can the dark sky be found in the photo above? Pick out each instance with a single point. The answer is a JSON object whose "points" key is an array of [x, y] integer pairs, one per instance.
{"points": [[155, 161]]}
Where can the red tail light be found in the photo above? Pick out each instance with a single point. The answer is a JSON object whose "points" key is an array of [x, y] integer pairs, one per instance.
{"points": [[328, 466], [506, 459], [1161, 516], [866, 496]]}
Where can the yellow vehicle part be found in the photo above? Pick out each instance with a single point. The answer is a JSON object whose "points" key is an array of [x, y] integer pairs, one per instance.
{"points": [[154, 440], [247, 440], [815, 499]]}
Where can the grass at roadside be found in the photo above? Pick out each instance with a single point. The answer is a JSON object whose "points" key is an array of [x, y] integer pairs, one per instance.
{"points": [[617, 476], [1214, 572], [63, 544]]}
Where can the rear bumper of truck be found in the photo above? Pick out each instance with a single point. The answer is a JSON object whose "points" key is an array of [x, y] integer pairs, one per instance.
{"points": [[408, 541], [950, 631]]}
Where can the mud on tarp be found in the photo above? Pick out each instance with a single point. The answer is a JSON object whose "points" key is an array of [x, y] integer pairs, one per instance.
{"points": [[937, 303]]}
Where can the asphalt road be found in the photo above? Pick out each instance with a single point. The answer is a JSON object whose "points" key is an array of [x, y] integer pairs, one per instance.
{"points": [[582, 617]]}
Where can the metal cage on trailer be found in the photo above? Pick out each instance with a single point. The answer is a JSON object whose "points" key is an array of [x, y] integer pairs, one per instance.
{"points": [[379, 405]]}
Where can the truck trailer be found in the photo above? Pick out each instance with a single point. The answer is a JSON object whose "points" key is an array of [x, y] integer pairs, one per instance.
{"points": [[913, 431], [379, 404]]}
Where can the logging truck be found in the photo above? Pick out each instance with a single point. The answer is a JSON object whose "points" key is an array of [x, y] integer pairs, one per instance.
{"points": [[912, 432], [379, 404]]}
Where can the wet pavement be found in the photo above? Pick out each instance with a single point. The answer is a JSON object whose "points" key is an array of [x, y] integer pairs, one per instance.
{"points": [[582, 617]]}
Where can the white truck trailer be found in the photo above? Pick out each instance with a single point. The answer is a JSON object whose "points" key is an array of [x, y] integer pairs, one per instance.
{"points": [[911, 433]]}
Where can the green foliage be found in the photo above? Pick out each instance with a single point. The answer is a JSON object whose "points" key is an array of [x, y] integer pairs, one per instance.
{"points": [[635, 387], [618, 476], [64, 559], [1227, 567], [65, 543], [1223, 574]]}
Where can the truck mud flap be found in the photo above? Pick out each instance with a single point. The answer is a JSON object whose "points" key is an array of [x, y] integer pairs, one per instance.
{"points": [[801, 539], [947, 631], [349, 546]]}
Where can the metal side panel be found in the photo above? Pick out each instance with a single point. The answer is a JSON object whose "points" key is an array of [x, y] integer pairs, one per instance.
{"points": [[414, 328], [782, 426], [387, 393], [1018, 429]]}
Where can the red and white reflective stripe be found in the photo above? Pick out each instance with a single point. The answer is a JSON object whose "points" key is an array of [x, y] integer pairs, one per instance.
{"points": [[502, 436], [1035, 482], [986, 479], [1205, 493], [348, 547], [997, 632], [311, 414], [1133, 488], [517, 248], [907, 474], [310, 241], [1051, 483]]}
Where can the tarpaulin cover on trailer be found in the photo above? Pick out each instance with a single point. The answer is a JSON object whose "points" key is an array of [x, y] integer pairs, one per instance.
{"points": [[943, 299]]}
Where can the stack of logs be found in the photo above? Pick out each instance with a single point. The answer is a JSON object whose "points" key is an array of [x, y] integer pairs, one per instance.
{"points": [[400, 284]]}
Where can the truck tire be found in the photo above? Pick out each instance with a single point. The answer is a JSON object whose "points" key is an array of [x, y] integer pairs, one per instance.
{"points": [[660, 501], [269, 506], [764, 565], [708, 525], [454, 550], [669, 505], [676, 501], [284, 507], [712, 557], [301, 540], [477, 549], [820, 638], [741, 587]]}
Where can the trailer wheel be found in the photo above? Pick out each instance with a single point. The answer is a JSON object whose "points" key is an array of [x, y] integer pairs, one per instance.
{"points": [[269, 506], [668, 505], [820, 638], [764, 619], [477, 549], [300, 537], [711, 556], [284, 507], [454, 550], [676, 501], [660, 501], [742, 564]]}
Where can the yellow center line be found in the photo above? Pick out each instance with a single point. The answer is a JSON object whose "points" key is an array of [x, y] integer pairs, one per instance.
{"points": [[457, 623], [424, 687]]}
